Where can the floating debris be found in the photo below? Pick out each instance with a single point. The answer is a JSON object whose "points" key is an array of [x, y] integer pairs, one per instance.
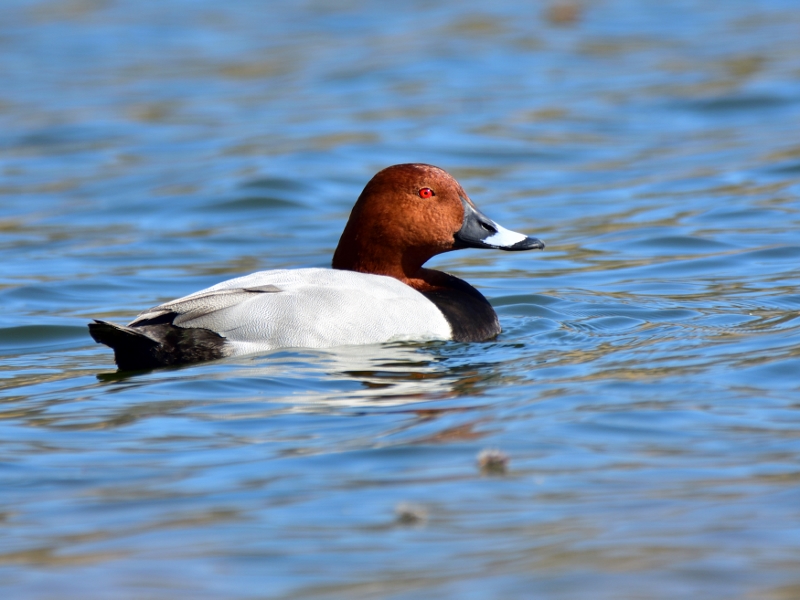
{"points": [[493, 461], [410, 514]]}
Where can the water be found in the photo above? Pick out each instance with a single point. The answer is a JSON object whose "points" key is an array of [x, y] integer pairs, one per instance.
{"points": [[646, 388]]}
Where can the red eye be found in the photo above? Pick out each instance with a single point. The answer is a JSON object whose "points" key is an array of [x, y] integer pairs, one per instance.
{"points": [[426, 193]]}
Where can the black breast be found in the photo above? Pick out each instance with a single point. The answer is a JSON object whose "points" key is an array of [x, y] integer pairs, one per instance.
{"points": [[470, 315]]}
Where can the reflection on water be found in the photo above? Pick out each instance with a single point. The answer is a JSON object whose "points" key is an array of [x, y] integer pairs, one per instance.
{"points": [[352, 376], [644, 389]]}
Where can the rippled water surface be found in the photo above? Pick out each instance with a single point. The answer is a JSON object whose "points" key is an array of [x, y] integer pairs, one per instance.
{"points": [[646, 387]]}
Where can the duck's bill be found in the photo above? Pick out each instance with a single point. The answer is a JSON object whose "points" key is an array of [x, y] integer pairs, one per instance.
{"points": [[479, 231]]}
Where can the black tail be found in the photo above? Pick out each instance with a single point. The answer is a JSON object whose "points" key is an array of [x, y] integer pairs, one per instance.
{"points": [[153, 346]]}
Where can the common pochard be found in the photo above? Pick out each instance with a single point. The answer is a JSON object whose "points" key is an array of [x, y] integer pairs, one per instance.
{"points": [[377, 291]]}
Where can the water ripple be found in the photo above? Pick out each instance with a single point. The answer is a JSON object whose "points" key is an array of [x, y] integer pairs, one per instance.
{"points": [[643, 391]]}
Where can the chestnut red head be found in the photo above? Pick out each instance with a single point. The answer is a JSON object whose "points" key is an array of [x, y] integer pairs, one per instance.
{"points": [[410, 212]]}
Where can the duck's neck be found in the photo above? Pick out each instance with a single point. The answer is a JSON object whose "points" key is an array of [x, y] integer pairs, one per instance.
{"points": [[405, 265], [406, 269]]}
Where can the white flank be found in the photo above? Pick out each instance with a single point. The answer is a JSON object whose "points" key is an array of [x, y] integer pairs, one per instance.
{"points": [[309, 308]]}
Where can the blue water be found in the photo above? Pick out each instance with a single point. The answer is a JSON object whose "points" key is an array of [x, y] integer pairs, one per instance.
{"points": [[646, 387]]}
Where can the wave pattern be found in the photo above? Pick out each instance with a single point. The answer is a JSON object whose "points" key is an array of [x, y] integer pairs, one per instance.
{"points": [[644, 391]]}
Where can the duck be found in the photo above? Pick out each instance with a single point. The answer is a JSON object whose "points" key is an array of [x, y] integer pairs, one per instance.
{"points": [[376, 291]]}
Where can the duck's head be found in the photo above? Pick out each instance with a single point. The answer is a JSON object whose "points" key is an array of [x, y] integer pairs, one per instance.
{"points": [[407, 214]]}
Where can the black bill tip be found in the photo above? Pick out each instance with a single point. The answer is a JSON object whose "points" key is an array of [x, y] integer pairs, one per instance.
{"points": [[526, 244]]}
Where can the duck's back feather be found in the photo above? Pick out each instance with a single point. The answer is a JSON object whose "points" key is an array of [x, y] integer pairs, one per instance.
{"points": [[310, 308], [297, 308]]}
